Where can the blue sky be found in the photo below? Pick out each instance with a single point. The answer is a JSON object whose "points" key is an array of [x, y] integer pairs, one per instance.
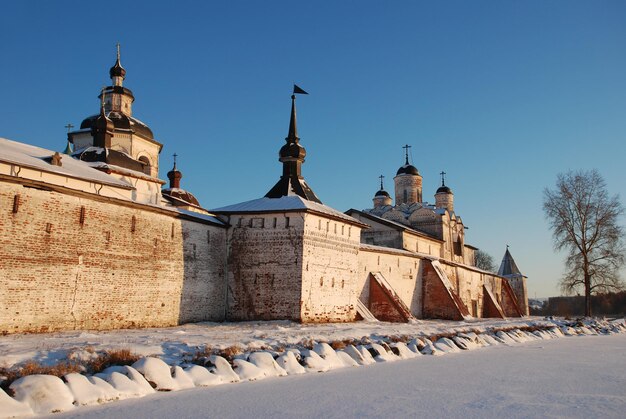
{"points": [[502, 95]]}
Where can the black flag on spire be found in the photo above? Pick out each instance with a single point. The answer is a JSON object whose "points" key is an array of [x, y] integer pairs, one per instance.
{"points": [[298, 91]]}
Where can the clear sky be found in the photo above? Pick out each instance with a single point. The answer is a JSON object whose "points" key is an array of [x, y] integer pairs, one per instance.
{"points": [[502, 95]]}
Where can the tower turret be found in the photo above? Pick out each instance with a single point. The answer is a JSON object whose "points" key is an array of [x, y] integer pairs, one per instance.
{"points": [[509, 270], [381, 198], [408, 182], [292, 155], [444, 198], [118, 98], [102, 129]]}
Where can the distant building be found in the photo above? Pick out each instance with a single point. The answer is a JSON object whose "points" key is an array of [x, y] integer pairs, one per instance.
{"points": [[91, 240]]}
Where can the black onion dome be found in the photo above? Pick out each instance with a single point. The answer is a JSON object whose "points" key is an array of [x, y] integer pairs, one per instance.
{"points": [[382, 192], [117, 70], [292, 150], [408, 169], [444, 189], [121, 121]]}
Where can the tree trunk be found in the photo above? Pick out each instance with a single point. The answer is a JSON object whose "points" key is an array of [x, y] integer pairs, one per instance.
{"points": [[587, 295]]}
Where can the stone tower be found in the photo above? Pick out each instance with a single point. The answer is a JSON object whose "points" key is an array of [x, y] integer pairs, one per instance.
{"points": [[381, 198], [509, 270], [292, 155], [444, 198], [408, 182]]}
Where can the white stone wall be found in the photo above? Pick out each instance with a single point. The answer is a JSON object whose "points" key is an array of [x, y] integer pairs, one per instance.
{"points": [[75, 262], [402, 271], [265, 266], [330, 263]]}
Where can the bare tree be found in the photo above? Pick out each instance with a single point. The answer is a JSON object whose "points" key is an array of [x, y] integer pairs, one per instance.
{"points": [[484, 261], [584, 222]]}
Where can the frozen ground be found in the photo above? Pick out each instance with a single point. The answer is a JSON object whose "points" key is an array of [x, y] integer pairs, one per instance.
{"points": [[172, 344], [574, 377]]}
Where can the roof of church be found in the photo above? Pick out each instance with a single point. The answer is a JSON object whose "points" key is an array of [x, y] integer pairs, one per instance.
{"points": [[408, 169], [284, 204], [34, 157], [508, 266], [121, 121], [292, 186], [393, 224]]}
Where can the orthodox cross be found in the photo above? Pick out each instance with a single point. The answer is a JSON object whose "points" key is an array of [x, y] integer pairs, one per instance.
{"points": [[69, 127], [443, 178], [175, 155], [118, 51], [381, 177], [406, 152]]}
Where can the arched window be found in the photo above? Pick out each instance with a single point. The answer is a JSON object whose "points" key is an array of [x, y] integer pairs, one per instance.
{"points": [[146, 165]]}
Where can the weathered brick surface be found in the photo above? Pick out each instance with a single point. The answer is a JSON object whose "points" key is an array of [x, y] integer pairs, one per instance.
{"points": [[329, 278], [109, 271], [265, 266]]}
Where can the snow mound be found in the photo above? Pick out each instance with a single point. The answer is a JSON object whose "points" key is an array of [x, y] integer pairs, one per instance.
{"points": [[223, 369], [446, 345], [157, 372], [290, 364], [182, 379], [346, 359], [247, 370], [402, 351], [265, 361], [90, 390], [202, 377], [11, 408], [315, 362], [356, 355], [381, 354], [43, 393], [325, 351], [430, 349], [127, 381]]}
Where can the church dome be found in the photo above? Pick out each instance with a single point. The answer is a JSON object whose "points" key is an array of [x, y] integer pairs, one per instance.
{"points": [[408, 169], [122, 122], [444, 189], [117, 70], [180, 196], [382, 192]]}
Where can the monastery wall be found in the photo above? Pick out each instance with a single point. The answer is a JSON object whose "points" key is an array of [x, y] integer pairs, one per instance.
{"points": [[77, 261], [402, 270], [265, 266], [329, 277]]}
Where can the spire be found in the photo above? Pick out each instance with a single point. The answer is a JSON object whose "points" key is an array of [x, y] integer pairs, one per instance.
{"points": [[292, 156], [443, 178], [292, 136], [117, 72], [381, 182], [174, 175], [508, 267]]}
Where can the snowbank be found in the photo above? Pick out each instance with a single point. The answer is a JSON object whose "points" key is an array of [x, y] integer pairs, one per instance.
{"points": [[43, 394]]}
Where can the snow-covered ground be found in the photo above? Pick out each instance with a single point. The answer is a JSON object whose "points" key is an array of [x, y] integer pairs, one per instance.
{"points": [[173, 343], [574, 377], [494, 382]]}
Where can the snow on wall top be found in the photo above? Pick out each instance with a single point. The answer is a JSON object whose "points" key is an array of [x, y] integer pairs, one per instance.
{"points": [[33, 157], [285, 203]]}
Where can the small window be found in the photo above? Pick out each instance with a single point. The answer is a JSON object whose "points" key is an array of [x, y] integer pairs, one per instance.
{"points": [[146, 164], [274, 224], [286, 222]]}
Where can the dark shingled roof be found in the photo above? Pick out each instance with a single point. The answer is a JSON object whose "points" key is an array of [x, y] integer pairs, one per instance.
{"points": [[508, 266], [121, 121]]}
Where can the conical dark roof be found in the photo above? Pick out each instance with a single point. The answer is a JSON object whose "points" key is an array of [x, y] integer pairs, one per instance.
{"points": [[508, 266]]}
